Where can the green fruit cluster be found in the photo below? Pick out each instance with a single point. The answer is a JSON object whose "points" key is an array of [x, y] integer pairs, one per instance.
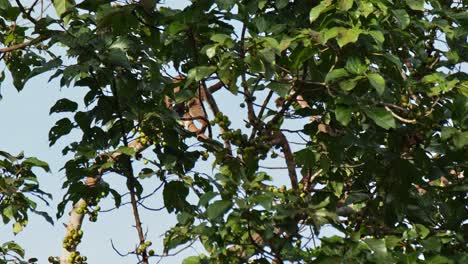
{"points": [[94, 214], [257, 151], [53, 260], [142, 248], [236, 137], [221, 120], [204, 155], [76, 258], [72, 239]]}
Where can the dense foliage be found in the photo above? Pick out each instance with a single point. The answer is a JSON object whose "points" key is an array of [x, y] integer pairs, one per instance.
{"points": [[374, 89]]}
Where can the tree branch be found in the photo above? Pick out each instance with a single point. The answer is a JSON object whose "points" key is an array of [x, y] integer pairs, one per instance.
{"points": [[23, 45], [26, 13]]}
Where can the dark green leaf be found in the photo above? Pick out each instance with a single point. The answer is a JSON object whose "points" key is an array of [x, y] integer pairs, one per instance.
{"points": [[37, 163], [336, 74], [355, 66], [381, 117], [218, 209], [281, 3], [174, 194], [64, 105], [61, 128], [343, 114], [282, 89], [402, 17], [201, 72]]}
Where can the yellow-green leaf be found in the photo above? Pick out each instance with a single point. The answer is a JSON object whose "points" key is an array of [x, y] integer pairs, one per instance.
{"points": [[348, 36], [377, 81], [416, 4], [316, 11], [345, 5], [62, 7]]}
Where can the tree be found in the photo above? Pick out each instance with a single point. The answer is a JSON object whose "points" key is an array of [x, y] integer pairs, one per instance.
{"points": [[375, 91]]}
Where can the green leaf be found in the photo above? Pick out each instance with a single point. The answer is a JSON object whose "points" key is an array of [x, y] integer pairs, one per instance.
{"points": [[347, 36], [336, 74], [17, 227], [8, 212], [265, 200], [201, 72], [378, 247], [395, 60], [356, 197], [305, 158], [377, 35], [381, 117], [331, 33], [129, 151], [345, 5], [348, 85], [448, 132], [45, 67], [223, 40], [205, 198], [183, 96], [226, 4], [439, 260], [255, 64], [402, 18], [355, 66], [117, 57], [337, 187], [4, 4], [218, 209], [174, 195], [460, 139], [117, 197], [10, 157], [61, 128], [416, 4], [45, 215], [366, 8], [282, 89], [316, 11], [281, 3], [192, 260], [343, 114], [422, 230], [211, 52], [63, 7], [64, 105], [377, 81], [37, 163], [14, 247], [261, 23], [432, 245]]}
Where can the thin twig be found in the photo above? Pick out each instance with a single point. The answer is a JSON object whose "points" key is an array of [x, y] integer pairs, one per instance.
{"points": [[25, 13], [402, 119], [117, 251]]}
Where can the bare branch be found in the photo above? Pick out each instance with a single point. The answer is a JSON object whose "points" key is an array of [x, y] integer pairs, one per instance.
{"points": [[402, 119], [23, 45]]}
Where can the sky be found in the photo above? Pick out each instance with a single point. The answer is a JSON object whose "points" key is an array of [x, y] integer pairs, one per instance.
{"points": [[25, 123]]}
